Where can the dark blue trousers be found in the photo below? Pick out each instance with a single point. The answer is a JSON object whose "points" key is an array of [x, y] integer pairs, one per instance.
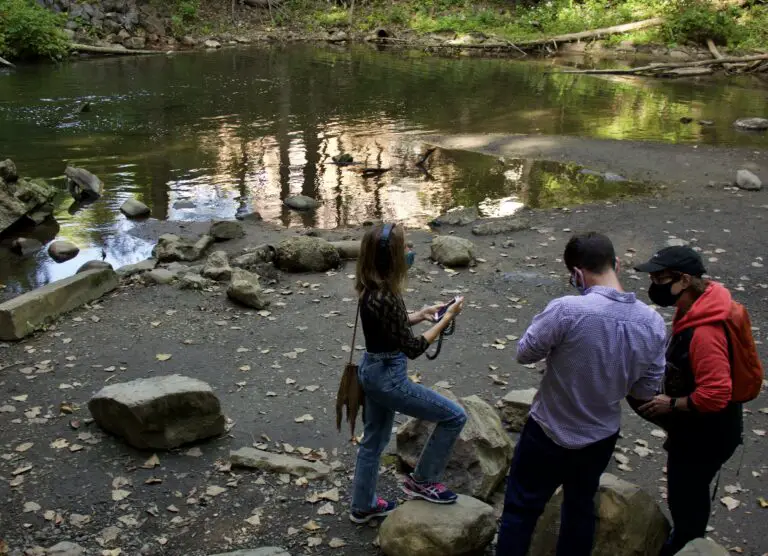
{"points": [[538, 468]]}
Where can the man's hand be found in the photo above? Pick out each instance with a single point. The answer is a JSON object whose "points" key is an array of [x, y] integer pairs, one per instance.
{"points": [[659, 405]]}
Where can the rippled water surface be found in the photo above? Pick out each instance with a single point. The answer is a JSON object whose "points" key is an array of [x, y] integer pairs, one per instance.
{"points": [[209, 134]]}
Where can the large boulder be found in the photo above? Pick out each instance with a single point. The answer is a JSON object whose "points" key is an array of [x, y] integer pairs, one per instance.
{"points": [[134, 208], [20, 198], [500, 226], [457, 217], [217, 266], [171, 247], [158, 413], [703, 547], [748, 181], [752, 124], [301, 202], [224, 230], [83, 185], [61, 251], [482, 454], [306, 254], [25, 246], [245, 289], [515, 407], [8, 172], [418, 528], [629, 522], [452, 251]]}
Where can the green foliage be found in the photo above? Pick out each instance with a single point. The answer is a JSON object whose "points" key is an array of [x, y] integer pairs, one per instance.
{"points": [[335, 17], [28, 30], [695, 21], [184, 14]]}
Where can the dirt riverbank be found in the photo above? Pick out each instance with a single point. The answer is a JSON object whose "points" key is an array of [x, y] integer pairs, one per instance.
{"points": [[118, 339]]}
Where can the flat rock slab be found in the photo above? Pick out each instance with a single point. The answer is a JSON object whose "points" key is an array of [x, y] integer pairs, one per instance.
{"points": [[500, 226], [457, 217], [306, 254], [418, 528], [702, 547], [171, 247], [264, 551], [162, 412], [515, 407], [22, 315], [94, 265], [278, 463], [131, 269]]}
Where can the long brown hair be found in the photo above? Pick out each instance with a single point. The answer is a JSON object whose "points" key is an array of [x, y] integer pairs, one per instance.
{"points": [[381, 265]]}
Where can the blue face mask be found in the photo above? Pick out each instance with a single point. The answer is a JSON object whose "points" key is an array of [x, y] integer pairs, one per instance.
{"points": [[577, 281]]}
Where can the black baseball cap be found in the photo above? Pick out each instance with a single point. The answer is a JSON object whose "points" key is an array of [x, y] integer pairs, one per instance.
{"points": [[678, 259]]}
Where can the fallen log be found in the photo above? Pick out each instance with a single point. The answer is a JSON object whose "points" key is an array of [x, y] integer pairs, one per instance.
{"points": [[661, 68], [716, 53], [5, 62], [108, 50], [595, 33]]}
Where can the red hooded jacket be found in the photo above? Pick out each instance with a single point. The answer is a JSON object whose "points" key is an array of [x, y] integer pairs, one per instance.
{"points": [[708, 351]]}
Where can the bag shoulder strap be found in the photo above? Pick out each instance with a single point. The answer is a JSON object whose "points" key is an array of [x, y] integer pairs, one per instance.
{"points": [[354, 331]]}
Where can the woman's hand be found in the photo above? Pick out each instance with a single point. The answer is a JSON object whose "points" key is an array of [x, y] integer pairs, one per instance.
{"points": [[456, 308], [428, 313]]}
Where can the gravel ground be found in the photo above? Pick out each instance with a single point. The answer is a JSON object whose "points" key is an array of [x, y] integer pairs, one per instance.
{"points": [[264, 382]]}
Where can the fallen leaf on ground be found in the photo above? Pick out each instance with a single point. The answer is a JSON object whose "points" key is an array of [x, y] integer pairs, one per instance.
{"points": [[291, 355], [312, 498], [153, 481], [730, 503], [60, 443], [163, 356], [31, 507], [290, 381], [326, 509], [336, 542], [314, 541], [621, 458], [254, 520], [304, 418], [658, 433], [312, 388], [245, 368], [21, 398], [120, 482], [332, 495], [498, 381], [76, 447], [152, 462], [733, 489], [111, 552], [24, 447], [173, 509], [759, 432], [118, 495], [311, 525], [762, 501], [194, 452], [214, 490], [292, 531]]}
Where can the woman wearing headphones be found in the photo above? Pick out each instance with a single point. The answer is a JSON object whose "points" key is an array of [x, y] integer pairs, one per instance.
{"points": [[389, 341]]}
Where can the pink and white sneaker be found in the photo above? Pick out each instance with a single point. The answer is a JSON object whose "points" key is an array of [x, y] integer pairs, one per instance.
{"points": [[437, 493], [383, 508]]}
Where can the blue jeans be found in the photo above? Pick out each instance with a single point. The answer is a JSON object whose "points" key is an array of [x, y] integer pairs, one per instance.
{"points": [[538, 468], [384, 379]]}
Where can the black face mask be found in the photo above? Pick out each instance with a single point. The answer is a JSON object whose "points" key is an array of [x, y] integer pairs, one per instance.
{"points": [[661, 294]]}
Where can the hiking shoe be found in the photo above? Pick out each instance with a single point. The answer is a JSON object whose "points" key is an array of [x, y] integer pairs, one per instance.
{"points": [[436, 493], [383, 508]]}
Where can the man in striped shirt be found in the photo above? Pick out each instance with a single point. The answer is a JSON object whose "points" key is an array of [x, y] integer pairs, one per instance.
{"points": [[600, 347]]}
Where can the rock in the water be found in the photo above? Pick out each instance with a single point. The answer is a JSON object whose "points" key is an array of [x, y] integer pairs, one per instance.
{"points": [[301, 202], [752, 124], [131, 269], [452, 251], [748, 181], [24, 197], [306, 254], [160, 276], [94, 265], [457, 217], [210, 43], [482, 454], [343, 158], [263, 551], [515, 407], [224, 230], [702, 547], [25, 246], [8, 172], [278, 463], [171, 248], [629, 522], [65, 548], [418, 528], [133, 208], [249, 217], [217, 266], [158, 413], [338, 36], [253, 258], [61, 251], [192, 281], [244, 288], [82, 184], [500, 226]]}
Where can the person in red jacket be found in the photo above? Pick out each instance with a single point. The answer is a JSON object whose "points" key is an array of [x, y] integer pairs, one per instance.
{"points": [[703, 425]]}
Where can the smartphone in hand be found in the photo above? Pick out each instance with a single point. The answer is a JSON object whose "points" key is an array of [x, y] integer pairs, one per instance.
{"points": [[441, 313]]}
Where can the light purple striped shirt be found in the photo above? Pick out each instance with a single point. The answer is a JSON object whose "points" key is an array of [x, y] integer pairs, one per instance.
{"points": [[600, 347]]}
